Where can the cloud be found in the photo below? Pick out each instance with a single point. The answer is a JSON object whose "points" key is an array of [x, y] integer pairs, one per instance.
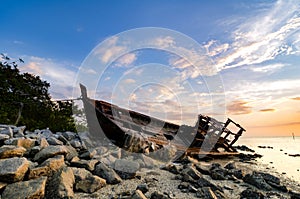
{"points": [[268, 68], [129, 81], [126, 60], [260, 38], [267, 110], [295, 98], [59, 75], [238, 107]]}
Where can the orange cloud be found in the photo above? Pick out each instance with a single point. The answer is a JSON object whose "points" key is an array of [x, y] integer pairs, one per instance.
{"points": [[295, 98], [267, 110], [238, 107]]}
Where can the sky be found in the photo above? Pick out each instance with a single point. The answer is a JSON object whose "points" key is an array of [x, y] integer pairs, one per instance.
{"points": [[169, 59]]}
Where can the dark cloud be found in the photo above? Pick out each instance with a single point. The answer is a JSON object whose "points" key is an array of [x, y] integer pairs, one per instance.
{"points": [[267, 110], [238, 107]]}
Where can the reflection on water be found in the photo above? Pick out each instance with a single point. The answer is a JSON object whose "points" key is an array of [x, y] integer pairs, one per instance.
{"points": [[278, 156]]}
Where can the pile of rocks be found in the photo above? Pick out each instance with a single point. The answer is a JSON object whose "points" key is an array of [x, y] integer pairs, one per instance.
{"points": [[42, 164]]}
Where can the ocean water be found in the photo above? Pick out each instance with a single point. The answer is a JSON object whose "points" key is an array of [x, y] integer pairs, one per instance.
{"points": [[278, 156]]}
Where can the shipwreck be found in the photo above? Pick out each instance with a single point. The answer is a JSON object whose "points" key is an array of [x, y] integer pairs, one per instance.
{"points": [[131, 130]]}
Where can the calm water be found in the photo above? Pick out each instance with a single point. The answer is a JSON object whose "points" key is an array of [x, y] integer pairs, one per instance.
{"points": [[281, 161]]}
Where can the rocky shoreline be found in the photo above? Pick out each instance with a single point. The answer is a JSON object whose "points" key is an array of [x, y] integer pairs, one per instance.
{"points": [[42, 164]]}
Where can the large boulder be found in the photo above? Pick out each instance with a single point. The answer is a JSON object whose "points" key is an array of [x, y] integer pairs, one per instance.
{"points": [[13, 169], [32, 189], [48, 167], [107, 173], [87, 182], [27, 143], [9, 151], [126, 169], [50, 152], [6, 130], [61, 184]]}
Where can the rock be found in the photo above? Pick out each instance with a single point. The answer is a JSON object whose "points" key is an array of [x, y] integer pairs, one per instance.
{"points": [[206, 192], [126, 169], [191, 171], [62, 139], [270, 178], [86, 181], [50, 152], [143, 188], [54, 141], [33, 151], [238, 173], [7, 131], [3, 137], [71, 153], [87, 164], [42, 142], [107, 173], [257, 180], [19, 131], [202, 182], [202, 169], [24, 142], [158, 195], [89, 154], [61, 184], [13, 169], [32, 189], [46, 133], [217, 172], [47, 168], [230, 166], [76, 144], [173, 168], [69, 135], [8, 151], [138, 194], [251, 194]]}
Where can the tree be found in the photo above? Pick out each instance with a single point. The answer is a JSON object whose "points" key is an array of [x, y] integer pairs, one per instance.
{"points": [[25, 100]]}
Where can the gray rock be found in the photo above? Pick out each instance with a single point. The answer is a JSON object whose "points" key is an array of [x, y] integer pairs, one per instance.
{"points": [[69, 135], [257, 180], [76, 144], [47, 168], [202, 169], [126, 169], [13, 169], [251, 194], [50, 152], [87, 182], [9, 151], [62, 139], [54, 141], [107, 173], [71, 153], [46, 133], [89, 154], [7, 131], [270, 178], [32, 189], [61, 184], [202, 182], [87, 164], [19, 131], [230, 165]]}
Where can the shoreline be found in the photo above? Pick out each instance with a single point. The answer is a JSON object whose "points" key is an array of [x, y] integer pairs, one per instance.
{"points": [[42, 164]]}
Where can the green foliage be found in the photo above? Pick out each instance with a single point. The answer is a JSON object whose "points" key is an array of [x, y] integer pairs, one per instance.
{"points": [[24, 100]]}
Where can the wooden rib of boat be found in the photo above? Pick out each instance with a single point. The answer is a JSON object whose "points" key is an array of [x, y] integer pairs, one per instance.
{"points": [[138, 132]]}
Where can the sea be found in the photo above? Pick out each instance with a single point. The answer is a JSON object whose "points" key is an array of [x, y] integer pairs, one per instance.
{"points": [[276, 153]]}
